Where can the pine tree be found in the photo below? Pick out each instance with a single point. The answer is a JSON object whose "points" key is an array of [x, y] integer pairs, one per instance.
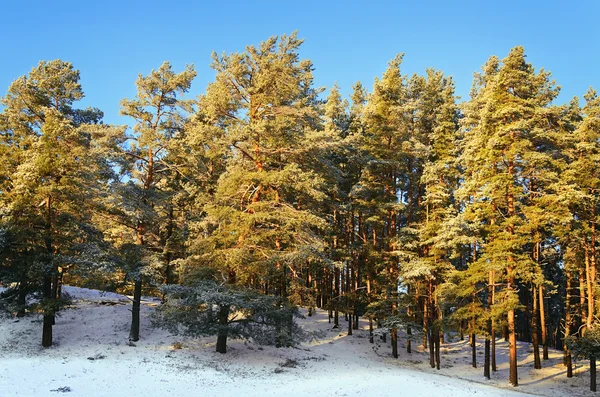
{"points": [[580, 238], [375, 194], [58, 162], [429, 264], [263, 226], [158, 112], [507, 124]]}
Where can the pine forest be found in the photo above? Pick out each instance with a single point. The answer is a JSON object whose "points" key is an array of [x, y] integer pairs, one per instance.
{"points": [[398, 212]]}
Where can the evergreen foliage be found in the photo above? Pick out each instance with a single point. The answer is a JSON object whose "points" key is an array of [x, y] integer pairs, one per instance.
{"points": [[263, 194]]}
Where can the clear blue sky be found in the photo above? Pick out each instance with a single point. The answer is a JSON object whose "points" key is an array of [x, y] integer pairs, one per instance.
{"points": [[110, 41]]}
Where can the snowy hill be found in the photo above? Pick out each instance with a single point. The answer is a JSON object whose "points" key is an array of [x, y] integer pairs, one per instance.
{"points": [[92, 358]]}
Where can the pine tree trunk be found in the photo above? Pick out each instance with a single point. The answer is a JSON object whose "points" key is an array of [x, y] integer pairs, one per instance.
{"points": [[431, 348], [59, 283], [134, 332], [590, 289], [473, 350], [22, 298], [394, 336], [370, 315], [486, 362], [568, 321], [47, 324], [425, 322], [408, 327], [223, 329], [336, 314], [512, 341], [490, 328], [493, 321], [582, 305], [512, 338], [394, 330], [170, 226], [593, 374], [543, 325], [537, 364], [437, 349], [47, 282], [349, 315]]}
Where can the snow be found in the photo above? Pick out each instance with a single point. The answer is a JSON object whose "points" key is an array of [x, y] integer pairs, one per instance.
{"points": [[91, 357]]}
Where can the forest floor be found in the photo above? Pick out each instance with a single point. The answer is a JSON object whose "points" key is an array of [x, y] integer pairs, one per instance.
{"points": [[92, 357]]}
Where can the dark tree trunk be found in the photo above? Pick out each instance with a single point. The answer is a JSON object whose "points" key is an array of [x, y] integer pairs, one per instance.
{"points": [[437, 340], [383, 336], [426, 322], [336, 314], [543, 324], [568, 322], [486, 362], [394, 335], [223, 329], [474, 350], [408, 327], [582, 305], [431, 348], [593, 374], [47, 282], [21, 299], [134, 332], [493, 320], [408, 339], [349, 315], [537, 364], [48, 318]]}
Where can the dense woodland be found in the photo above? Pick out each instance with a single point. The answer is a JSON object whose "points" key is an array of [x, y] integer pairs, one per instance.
{"points": [[265, 193]]}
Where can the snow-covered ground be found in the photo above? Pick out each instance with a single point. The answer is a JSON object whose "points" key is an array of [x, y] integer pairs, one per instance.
{"points": [[91, 357]]}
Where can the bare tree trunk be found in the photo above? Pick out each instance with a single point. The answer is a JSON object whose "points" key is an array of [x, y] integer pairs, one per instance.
{"points": [[370, 315], [425, 322], [408, 327], [168, 270], [568, 321], [593, 374], [512, 341], [431, 348], [134, 332], [537, 364], [394, 330], [223, 330], [474, 350], [22, 298], [493, 320], [437, 349], [47, 324], [47, 282], [336, 313], [543, 325], [512, 338], [486, 362]]}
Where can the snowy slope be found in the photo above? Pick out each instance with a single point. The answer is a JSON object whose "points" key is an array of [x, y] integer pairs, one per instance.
{"points": [[92, 358]]}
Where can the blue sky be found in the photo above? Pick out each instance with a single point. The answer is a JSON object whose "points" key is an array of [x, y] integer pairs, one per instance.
{"points": [[110, 42]]}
